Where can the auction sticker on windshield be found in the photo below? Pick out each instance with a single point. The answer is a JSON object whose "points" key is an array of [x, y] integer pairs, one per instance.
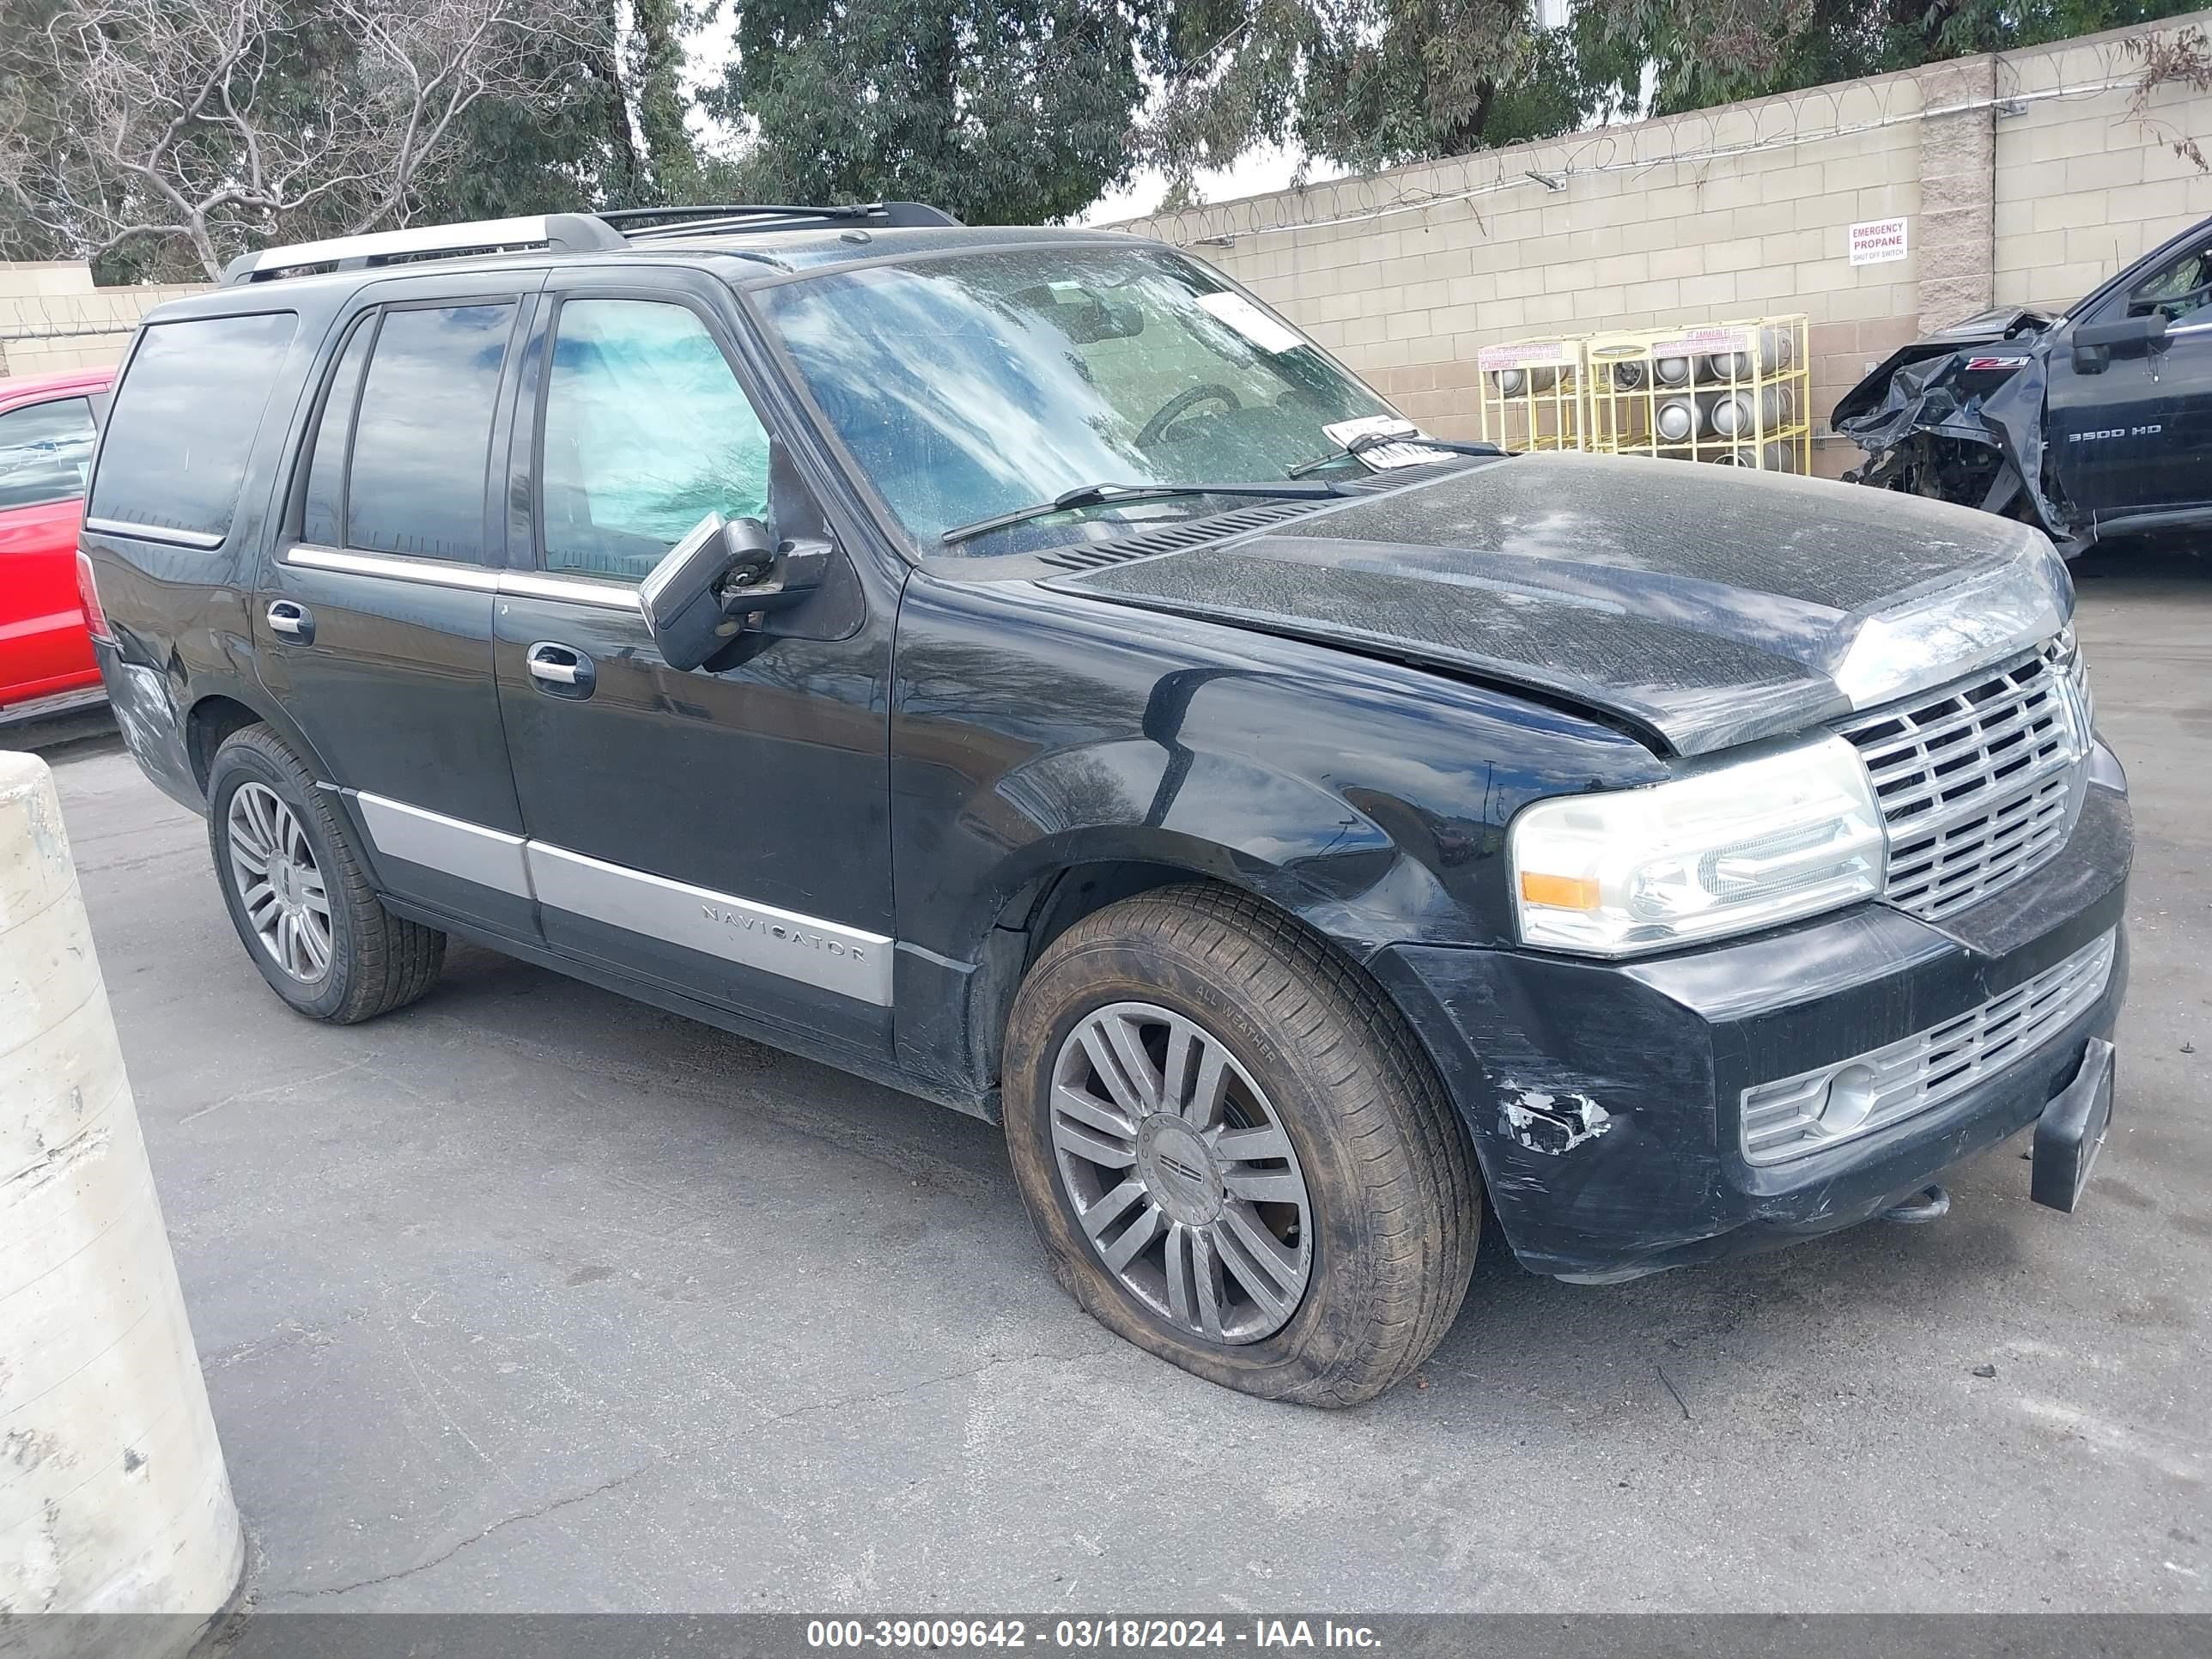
{"points": [[1248, 320]]}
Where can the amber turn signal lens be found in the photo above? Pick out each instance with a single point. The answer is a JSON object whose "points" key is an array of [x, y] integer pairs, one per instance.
{"points": [[1564, 892]]}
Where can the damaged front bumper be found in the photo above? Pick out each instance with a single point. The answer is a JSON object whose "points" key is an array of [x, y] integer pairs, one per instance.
{"points": [[1607, 1100]]}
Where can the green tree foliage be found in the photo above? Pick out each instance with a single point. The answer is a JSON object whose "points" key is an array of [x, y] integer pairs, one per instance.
{"points": [[999, 111], [1714, 52], [1370, 83]]}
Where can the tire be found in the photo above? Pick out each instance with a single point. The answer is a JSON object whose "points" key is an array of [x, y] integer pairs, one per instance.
{"points": [[372, 961], [1388, 1210]]}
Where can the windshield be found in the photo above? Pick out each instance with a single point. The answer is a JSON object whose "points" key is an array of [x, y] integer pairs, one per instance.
{"points": [[982, 384]]}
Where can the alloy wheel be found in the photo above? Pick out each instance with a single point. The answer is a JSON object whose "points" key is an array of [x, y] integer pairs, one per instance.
{"points": [[280, 886], [1181, 1173]]}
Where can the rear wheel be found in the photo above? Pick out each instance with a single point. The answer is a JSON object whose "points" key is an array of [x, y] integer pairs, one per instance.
{"points": [[1233, 1151], [299, 893]]}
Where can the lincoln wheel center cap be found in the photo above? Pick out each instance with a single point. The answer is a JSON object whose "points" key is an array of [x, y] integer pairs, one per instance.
{"points": [[1178, 1170]]}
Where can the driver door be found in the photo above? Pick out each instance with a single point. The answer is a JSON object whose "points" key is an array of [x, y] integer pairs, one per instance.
{"points": [[2136, 435], [723, 834]]}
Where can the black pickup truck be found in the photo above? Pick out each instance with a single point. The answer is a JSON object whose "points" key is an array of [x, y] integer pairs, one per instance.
{"points": [[2091, 425], [1018, 666]]}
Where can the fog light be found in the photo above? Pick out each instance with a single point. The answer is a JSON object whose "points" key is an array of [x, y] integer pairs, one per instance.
{"points": [[1850, 1095]]}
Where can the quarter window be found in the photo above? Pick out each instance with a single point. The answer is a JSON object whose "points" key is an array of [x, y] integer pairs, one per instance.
{"points": [[322, 520], [422, 438], [46, 452], [647, 432]]}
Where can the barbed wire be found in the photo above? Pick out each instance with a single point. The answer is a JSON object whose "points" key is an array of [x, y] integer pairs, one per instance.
{"points": [[1784, 121]]}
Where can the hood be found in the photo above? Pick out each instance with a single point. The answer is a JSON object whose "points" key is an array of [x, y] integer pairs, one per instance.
{"points": [[1699, 606]]}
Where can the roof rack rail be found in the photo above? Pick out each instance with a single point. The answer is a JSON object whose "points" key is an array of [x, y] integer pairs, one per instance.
{"points": [[658, 222], [563, 232]]}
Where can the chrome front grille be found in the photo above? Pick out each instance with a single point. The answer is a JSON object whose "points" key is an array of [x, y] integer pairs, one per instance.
{"points": [[1799, 1115], [1980, 782]]}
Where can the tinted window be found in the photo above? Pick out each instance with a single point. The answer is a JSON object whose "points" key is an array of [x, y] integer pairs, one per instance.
{"points": [[647, 432], [46, 451], [185, 419], [322, 520], [423, 434]]}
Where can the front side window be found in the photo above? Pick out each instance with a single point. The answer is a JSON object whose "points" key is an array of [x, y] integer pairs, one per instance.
{"points": [[647, 432], [46, 451], [980, 384], [2183, 287], [422, 438], [183, 422]]}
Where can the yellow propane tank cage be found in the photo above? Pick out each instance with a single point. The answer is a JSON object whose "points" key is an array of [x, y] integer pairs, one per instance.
{"points": [[1532, 394], [1735, 393]]}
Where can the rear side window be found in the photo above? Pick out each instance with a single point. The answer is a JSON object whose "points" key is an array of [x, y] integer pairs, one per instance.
{"points": [[422, 437], [45, 450], [184, 422]]}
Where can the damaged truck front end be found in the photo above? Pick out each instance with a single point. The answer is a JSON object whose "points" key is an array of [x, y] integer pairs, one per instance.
{"points": [[2087, 425]]}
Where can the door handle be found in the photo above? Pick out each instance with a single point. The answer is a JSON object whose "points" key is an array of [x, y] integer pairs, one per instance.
{"points": [[560, 669], [293, 621]]}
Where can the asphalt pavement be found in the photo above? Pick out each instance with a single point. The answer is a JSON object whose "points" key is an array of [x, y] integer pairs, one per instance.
{"points": [[532, 1298]]}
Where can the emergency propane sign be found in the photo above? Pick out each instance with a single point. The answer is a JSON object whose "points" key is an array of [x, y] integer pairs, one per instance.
{"points": [[1877, 241]]}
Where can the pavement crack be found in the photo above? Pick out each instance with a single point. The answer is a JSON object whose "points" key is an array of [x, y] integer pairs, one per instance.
{"points": [[880, 1395], [444, 1556]]}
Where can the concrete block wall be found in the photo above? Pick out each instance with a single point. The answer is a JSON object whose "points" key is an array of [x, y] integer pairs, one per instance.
{"points": [[1727, 214], [2082, 187], [51, 317]]}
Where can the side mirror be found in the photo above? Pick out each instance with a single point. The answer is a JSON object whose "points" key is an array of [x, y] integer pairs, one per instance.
{"points": [[2095, 342]]}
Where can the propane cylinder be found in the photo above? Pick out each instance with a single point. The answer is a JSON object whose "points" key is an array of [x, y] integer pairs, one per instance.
{"points": [[1673, 371], [1745, 413], [1774, 351], [1683, 418], [1627, 375], [1517, 382], [1771, 458]]}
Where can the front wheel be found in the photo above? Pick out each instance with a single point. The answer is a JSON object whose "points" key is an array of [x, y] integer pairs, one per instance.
{"points": [[1233, 1151]]}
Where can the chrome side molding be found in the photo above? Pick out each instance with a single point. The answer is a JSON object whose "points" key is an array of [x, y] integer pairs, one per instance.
{"points": [[453, 847], [826, 955]]}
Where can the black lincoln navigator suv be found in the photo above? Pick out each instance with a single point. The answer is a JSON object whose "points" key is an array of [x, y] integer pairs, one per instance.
{"points": [[1018, 666]]}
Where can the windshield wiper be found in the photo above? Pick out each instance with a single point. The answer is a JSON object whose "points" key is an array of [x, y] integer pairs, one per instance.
{"points": [[1099, 494], [1367, 440]]}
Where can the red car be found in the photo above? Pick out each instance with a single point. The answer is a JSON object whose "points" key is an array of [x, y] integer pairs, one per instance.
{"points": [[48, 427]]}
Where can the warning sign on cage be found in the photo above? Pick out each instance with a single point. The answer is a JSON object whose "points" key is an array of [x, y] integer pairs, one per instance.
{"points": [[1698, 341], [1877, 241], [1525, 354]]}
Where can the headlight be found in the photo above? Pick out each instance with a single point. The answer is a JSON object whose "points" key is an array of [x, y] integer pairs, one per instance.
{"points": [[1743, 845]]}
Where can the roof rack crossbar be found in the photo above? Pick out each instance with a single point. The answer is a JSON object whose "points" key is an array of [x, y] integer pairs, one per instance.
{"points": [[563, 232]]}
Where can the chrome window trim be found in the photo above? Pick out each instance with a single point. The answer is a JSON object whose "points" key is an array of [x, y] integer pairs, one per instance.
{"points": [[475, 578], [205, 540], [433, 573], [607, 595]]}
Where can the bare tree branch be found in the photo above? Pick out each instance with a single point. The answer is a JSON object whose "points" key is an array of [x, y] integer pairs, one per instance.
{"points": [[206, 126]]}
